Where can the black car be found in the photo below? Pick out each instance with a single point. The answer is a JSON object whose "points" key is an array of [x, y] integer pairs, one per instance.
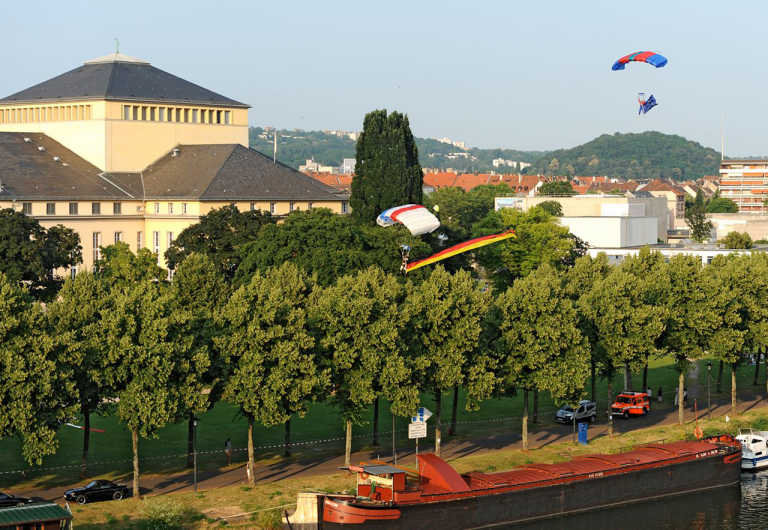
{"points": [[98, 490], [9, 500]]}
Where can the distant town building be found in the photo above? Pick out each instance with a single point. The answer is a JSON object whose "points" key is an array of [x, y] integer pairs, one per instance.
{"points": [[745, 182], [313, 167], [503, 162], [347, 166], [675, 196]]}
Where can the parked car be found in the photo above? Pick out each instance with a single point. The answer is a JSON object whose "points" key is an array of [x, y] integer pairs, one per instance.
{"points": [[98, 490], [10, 500], [631, 404], [586, 411]]}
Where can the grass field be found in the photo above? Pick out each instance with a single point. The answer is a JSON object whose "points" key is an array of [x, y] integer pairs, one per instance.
{"points": [[110, 454], [199, 512]]}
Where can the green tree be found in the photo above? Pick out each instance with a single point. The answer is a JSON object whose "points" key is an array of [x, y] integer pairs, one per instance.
{"points": [[722, 205], [199, 291], [219, 234], [626, 327], [326, 245], [553, 208], [387, 170], [35, 394], [696, 218], [737, 241], [358, 326], [269, 349], [29, 253], [541, 348], [444, 316], [557, 187], [119, 267], [155, 372], [74, 320], [539, 239]]}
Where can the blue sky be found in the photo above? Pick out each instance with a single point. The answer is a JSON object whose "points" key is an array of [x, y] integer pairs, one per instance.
{"points": [[523, 75]]}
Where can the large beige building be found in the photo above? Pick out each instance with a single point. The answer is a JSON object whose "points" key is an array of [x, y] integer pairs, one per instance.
{"points": [[120, 150], [745, 181]]}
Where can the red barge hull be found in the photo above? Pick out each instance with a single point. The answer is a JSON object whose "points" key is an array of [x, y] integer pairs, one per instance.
{"points": [[441, 498]]}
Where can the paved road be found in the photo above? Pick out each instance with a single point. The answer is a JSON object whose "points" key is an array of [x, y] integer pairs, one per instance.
{"points": [[213, 479]]}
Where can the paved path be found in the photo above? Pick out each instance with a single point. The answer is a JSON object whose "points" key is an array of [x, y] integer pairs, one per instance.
{"points": [[212, 479]]}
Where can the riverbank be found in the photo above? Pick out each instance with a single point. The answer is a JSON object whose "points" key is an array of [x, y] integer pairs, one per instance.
{"points": [[240, 506]]}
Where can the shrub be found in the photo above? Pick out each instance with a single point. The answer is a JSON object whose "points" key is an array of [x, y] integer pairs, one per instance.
{"points": [[161, 514]]}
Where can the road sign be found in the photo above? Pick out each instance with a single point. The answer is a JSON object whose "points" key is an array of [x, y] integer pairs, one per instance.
{"points": [[422, 415], [417, 429]]}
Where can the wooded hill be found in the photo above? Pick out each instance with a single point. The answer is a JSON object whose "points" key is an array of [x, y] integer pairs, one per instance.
{"points": [[295, 148], [648, 155]]}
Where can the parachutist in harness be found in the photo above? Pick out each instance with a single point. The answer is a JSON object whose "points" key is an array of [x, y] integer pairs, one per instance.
{"points": [[405, 252]]}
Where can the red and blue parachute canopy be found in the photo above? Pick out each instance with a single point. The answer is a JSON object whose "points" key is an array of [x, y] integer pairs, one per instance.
{"points": [[652, 58]]}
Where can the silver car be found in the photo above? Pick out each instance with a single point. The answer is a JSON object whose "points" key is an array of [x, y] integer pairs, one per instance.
{"points": [[586, 411]]}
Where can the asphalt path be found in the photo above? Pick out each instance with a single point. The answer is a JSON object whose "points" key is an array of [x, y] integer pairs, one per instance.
{"points": [[293, 468]]}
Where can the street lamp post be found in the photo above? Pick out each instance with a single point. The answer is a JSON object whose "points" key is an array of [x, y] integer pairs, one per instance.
{"points": [[709, 385], [194, 451]]}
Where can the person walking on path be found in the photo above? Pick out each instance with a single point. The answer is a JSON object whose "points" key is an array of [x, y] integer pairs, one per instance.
{"points": [[228, 451], [685, 397], [659, 394], [677, 396]]}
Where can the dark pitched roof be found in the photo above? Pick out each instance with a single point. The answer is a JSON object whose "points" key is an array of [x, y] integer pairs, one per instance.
{"points": [[224, 173], [26, 172], [121, 78]]}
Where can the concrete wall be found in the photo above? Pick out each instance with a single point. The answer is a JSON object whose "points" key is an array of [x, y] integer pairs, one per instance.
{"points": [[756, 225], [613, 205], [613, 232]]}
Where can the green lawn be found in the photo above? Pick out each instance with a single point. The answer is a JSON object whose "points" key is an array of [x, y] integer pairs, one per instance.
{"points": [[110, 453]]}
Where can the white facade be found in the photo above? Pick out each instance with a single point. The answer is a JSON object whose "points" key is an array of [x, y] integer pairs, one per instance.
{"points": [[706, 254], [613, 232]]}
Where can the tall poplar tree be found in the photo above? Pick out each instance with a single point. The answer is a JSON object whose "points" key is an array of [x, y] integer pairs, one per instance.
{"points": [[387, 170], [273, 371]]}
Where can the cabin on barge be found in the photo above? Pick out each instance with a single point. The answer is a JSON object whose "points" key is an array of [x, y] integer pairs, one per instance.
{"points": [[390, 497]]}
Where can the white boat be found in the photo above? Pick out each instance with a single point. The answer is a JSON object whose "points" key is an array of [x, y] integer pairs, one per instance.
{"points": [[754, 453]]}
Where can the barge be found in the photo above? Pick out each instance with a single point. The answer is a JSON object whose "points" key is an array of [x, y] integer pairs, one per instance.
{"points": [[393, 498]]}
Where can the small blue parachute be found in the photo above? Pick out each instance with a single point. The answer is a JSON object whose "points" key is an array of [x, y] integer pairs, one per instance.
{"points": [[645, 104]]}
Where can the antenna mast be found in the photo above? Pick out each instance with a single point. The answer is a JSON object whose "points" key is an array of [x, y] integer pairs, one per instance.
{"points": [[722, 138], [117, 45], [274, 156]]}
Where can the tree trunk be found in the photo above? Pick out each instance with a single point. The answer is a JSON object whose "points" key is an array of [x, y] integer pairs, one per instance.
{"points": [[757, 368], [135, 443], [594, 381], [525, 420], [681, 398], [455, 410], [535, 405], [733, 389], [348, 445], [610, 404], [191, 442], [438, 410], [645, 376], [288, 437], [86, 441], [628, 386], [251, 454], [720, 378], [376, 421]]}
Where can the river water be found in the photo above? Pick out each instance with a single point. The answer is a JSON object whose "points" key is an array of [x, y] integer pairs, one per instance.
{"points": [[739, 507]]}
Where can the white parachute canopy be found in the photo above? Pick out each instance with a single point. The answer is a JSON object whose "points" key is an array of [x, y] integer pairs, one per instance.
{"points": [[414, 217]]}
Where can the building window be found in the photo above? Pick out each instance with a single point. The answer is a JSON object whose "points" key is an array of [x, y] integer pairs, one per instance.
{"points": [[157, 207], [309, 206], [139, 240], [253, 206], [117, 207], [194, 115], [118, 237], [26, 208], [161, 114], [72, 272], [170, 207], [170, 239], [291, 206], [272, 207], [226, 117], [178, 115], [135, 112], [344, 207], [96, 246], [50, 208], [95, 208], [184, 208], [156, 242], [218, 116], [144, 113], [72, 208], [152, 113]]}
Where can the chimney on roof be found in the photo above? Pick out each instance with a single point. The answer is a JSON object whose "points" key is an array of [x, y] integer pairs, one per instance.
{"points": [[175, 152]]}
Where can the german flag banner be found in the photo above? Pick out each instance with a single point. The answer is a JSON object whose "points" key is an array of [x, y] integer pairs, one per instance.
{"points": [[466, 246]]}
